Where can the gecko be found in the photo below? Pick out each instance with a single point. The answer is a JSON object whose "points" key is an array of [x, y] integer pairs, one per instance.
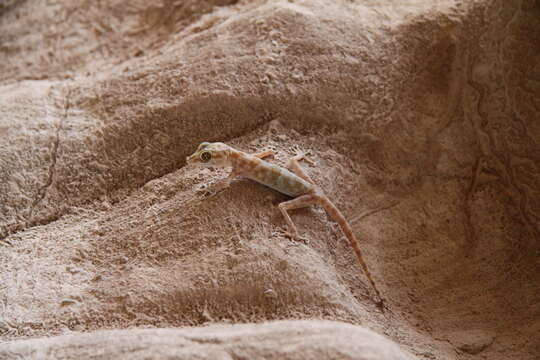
{"points": [[290, 180]]}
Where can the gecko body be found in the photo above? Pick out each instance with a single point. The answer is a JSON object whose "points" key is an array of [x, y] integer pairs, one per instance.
{"points": [[271, 175], [293, 182]]}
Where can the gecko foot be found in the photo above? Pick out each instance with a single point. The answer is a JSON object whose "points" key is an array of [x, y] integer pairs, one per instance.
{"points": [[300, 155], [294, 236], [214, 189]]}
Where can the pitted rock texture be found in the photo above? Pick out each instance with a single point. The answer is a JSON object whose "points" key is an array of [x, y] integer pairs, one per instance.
{"points": [[421, 117], [274, 340]]}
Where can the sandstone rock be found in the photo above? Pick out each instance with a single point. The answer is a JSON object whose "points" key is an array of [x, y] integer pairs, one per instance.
{"points": [[421, 117], [472, 341], [275, 340]]}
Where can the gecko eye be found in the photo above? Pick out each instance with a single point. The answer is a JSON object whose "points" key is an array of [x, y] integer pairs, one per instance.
{"points": [[205, 156]]}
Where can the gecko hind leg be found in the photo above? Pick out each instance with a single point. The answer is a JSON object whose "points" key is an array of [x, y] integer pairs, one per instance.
{"points": [[296, 203], [294, 165], [264, 154]]}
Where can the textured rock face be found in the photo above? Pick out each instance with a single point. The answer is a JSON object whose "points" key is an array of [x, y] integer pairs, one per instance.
{"points": [[422, 119], [276, 340]]}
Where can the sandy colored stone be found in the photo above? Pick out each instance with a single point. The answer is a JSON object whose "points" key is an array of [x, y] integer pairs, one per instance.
{"points": [[273, 340], [422, 118], [472, 341]]}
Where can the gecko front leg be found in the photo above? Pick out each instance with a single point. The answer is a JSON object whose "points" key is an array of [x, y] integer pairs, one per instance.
{"points": [[223, 184]]}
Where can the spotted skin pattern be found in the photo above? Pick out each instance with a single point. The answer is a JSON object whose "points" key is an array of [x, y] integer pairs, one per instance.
{"points": [[271, 175], [293, 182]]}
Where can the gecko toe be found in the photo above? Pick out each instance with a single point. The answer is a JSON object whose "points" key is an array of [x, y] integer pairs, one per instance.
{"points": [[294, 236]]}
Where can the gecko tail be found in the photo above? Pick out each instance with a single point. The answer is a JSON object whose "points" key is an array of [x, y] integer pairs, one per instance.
{"points": [[338, 217]]}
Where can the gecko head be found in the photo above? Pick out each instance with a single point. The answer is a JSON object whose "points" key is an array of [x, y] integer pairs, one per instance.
{"points": [[210, 154]]}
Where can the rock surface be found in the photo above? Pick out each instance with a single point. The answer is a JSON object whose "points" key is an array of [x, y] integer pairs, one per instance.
{"points": [[471, 341], [421, 117], [275, 340]]}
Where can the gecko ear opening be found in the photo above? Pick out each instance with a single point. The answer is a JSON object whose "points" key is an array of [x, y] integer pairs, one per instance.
{"points": [[205, 156]]}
